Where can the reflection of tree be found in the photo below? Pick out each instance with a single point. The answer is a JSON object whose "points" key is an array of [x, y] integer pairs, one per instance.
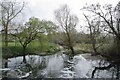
{"points": [[43, 62], [32, 66], [36, 69], [113, 66], [101, 68]]}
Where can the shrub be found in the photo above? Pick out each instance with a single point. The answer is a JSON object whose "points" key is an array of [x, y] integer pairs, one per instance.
{"points": [[111, 50]]}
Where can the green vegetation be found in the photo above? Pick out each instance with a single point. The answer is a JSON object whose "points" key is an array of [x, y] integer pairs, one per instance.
{"points": [[83, 47], [15, 49]]}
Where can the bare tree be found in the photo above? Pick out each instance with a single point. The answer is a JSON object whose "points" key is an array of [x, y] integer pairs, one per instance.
{"points": [[67, 22], [94, 29], [9, 10], [108, 14]]}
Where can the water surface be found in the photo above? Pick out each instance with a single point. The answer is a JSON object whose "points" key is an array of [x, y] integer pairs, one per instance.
{"points": [[58, 65]]}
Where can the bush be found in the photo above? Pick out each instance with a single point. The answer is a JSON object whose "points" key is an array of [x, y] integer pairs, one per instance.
{"points": [[111, 50]]}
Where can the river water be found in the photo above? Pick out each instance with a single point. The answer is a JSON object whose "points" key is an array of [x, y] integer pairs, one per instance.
{"points": [[58, 65]]}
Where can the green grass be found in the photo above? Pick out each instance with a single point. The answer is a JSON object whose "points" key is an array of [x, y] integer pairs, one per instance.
{"points": [[34, 46], [0, 52], [41, 47], [83, 47], [15, 49]]}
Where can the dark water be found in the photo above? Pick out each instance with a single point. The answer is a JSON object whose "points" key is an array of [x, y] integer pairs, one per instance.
{"points": [[56, 66]]}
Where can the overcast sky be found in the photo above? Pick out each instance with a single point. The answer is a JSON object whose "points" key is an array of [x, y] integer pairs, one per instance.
{"points": [[44, 9]]}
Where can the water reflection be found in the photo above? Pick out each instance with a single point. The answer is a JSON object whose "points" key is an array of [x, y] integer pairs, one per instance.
{"points": [[57, 66]]}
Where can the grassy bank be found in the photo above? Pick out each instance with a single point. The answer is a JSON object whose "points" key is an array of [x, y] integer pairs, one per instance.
{"points": [[15, 49], [83, 47], [41, 48]]}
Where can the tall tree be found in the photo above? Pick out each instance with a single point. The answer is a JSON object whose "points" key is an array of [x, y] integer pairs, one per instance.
{"points": [[107, 14], [9, 10], [94, 29], [67, 23], [111, 24]]}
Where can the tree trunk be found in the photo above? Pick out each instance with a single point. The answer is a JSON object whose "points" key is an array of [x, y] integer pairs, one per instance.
{"points": [[118, 54], [24, 59], [5, 42], [24, 51], [6, 39], [72, 50], [6, 35], [117, 73], [94, 46], [6, 64]]}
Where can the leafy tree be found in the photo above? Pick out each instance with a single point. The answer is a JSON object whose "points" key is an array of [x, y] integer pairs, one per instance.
{"points": [[47, 37], [50, 27], [27, 33]]}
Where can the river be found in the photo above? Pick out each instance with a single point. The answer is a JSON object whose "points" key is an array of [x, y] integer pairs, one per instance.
{"points": [[58, 65]]}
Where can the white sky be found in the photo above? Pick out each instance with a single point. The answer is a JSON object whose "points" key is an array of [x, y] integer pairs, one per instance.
{"points": [[44, 9]]}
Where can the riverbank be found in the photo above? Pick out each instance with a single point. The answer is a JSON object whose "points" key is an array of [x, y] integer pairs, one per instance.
{"points": [[15, 49], [35, 48], [10, 54]]}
